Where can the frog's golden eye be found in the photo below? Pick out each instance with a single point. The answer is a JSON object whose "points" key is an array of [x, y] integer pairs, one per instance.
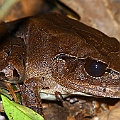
{"points": [[95, 68]]}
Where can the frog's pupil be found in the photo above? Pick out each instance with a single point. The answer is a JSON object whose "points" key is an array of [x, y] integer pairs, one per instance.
{"points": [[95, 68]]}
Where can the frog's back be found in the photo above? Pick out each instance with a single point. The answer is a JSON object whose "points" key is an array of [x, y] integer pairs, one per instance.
{"points": [[48, 35], [45, 39]]}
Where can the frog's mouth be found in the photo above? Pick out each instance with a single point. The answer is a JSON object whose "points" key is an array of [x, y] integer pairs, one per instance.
{"points": [[49, 94]]}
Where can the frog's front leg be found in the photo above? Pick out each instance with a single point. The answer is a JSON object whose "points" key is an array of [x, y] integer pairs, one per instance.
{"points": [[30, 94]]}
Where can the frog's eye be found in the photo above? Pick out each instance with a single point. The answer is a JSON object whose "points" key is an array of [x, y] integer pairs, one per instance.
{"points": [[95, 68]]}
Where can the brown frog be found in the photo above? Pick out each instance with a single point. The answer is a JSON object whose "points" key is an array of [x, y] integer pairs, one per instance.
{"points": [[52, 53]]}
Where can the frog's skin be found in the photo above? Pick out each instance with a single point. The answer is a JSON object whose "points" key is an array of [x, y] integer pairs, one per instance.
{"points": [[55, 56]]}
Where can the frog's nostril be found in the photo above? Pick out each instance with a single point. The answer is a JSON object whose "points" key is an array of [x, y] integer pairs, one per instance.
{"points": [[2, 74]]}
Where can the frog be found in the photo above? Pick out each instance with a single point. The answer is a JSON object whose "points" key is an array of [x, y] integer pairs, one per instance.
{"points": [[53, 53]]}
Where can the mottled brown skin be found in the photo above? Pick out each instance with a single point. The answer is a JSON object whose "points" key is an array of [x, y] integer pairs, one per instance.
{"points": [[12, 56], [47, 38]]}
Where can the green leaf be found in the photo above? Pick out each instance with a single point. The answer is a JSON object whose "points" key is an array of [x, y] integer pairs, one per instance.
{"points": [[16, 111]]}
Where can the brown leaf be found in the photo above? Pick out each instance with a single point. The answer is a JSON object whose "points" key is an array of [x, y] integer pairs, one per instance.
{"points": [[113, 114]]}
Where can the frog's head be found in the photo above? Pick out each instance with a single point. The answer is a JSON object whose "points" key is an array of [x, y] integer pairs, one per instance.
{"points": [[87, 76], [12, 54], [93, 69]]}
